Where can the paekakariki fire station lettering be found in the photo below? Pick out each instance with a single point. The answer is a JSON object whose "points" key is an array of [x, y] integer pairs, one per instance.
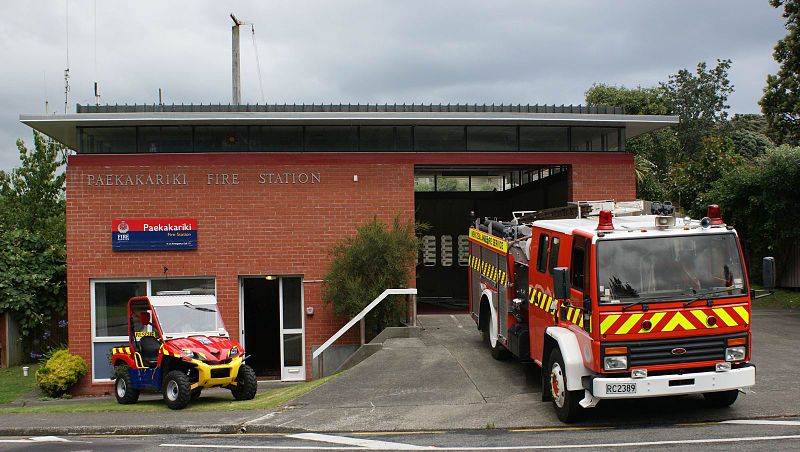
{"points": [[153, 234]]}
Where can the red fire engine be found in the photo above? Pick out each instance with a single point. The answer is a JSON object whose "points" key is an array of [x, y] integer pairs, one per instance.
{"points": [[614, 306]]}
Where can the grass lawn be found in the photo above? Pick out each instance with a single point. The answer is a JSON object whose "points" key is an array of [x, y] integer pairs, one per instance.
{"points": [[264, 400], [781, 299], [13, 384]]}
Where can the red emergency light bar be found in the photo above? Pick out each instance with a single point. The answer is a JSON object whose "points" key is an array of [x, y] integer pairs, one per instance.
{"points": [[714, 215], [604, 224]]}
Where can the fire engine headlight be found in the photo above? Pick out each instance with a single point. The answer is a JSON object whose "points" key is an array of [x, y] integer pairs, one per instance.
{"points": [[615, 363], [735, 354], [234, 352]]}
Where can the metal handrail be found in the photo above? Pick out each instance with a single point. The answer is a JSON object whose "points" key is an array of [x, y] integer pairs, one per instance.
{"points": [[360, 316]]}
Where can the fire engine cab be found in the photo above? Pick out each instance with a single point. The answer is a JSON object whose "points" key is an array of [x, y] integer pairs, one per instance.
{"points": [[615, 304]]}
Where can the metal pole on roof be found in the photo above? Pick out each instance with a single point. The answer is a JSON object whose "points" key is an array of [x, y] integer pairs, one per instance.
{"points": [[236, 83]]}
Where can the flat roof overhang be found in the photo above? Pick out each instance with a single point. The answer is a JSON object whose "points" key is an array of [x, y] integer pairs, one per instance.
{"points": [[64, 128]]}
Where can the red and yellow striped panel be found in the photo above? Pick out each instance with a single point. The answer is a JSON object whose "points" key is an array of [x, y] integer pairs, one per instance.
{"points": [[488, 270], [669, 321], [544, 302]]}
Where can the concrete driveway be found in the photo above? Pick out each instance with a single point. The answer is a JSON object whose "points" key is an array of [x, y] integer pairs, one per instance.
{"points": [[446, 379]]}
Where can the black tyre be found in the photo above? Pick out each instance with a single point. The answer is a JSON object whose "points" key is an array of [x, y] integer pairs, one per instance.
{"points": [[721, 399], [498, 351], [177, 390], [123, 387], [246, 384], [196, 393], [566, 403]]}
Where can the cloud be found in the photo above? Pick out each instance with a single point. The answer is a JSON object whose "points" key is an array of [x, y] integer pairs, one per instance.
{"points": [[370, 51]]}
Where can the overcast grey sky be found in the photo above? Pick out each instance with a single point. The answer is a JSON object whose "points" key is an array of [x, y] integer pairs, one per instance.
{"points": [[369, 51]]}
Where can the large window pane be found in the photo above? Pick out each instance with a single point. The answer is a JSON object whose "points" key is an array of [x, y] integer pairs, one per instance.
{"points": [[292, 303], [595, 139], [165, 139], [221, 138], [486, 183], [108, 140], [277, 138], [376, 138], [424, 183], [439, 138], [491, 138], [331, 138], [452, 183], [183, 286], [293, 350], [543, 138], [404, 141], [111, 306]]}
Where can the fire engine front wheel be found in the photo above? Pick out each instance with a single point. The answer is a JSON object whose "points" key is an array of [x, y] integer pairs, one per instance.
{"points": [[721, 399], [565, 402], [246, 384], [123, 387], [177, 390]]}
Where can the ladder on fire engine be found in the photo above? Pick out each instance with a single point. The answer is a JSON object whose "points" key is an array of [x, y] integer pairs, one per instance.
{"points": [[359, 318]]}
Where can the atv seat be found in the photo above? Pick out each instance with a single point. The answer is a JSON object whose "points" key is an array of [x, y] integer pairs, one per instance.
{"points": [[148, 349]]}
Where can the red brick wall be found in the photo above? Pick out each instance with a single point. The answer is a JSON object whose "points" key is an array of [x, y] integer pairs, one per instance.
{"points": [[597, 180], [245, 229]]}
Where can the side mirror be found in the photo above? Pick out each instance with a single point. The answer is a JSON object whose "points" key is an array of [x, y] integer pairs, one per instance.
{"points": [[768, 272], [561, 285]]}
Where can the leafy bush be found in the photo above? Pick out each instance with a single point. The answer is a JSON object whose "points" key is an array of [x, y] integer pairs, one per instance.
{"points": [[60, 372], [375, 259]]}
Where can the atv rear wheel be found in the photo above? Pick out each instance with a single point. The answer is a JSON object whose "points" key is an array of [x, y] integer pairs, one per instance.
{"points": [[177, 390], [123, 387], [246, 384]]}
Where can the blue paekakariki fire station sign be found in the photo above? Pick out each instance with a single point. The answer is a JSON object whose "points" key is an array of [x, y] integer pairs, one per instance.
{"points": [[154, 234]]}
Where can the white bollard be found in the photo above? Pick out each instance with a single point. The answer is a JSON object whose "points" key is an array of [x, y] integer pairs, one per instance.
{"points": [[25, 371]]}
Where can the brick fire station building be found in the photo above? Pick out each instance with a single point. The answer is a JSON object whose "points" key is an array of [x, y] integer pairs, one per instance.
{"points": [[268, 190]]}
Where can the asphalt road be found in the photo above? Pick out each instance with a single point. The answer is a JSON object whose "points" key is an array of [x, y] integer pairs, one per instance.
{"points": [[750, 435]]}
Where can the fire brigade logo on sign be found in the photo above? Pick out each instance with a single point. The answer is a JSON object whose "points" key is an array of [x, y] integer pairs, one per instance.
{"points": [[122, 227], [154, 234]]}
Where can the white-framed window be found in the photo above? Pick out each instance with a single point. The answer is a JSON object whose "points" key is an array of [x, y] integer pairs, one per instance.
{"points": [[110, 311]]}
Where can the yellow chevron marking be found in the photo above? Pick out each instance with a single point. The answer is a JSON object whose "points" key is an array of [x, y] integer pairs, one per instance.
{"points": [[742, 313], [724, 316], [549, 303], [629, 324], [678, 320], [608, 322], [701, 316], [654, 321], [569, 314], [578, 316]]}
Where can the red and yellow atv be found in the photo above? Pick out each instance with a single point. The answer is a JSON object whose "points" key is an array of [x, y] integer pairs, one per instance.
{"points": [[178, 346]]}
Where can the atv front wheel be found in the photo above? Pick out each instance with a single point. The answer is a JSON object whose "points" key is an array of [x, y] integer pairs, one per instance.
{"points": [[246, 384], [177, 390], [123, 387], [196, 393]]}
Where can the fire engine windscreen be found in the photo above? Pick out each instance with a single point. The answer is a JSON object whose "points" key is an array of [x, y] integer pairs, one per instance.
{"points": [[669, 267], [189, 318]]}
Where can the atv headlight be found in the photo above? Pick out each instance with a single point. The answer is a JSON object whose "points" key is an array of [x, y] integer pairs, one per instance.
{"points": [[234, 352], [187, 353]]}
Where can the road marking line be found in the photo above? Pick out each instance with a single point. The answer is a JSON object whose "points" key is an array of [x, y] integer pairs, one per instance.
{"points": [[760, 422], [400, 446], [347, 441], [556, 429], [37, 439], [421, 432]]}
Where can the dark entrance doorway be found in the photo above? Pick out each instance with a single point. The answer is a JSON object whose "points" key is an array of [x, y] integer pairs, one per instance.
{"points": [[262, 329], [444, 198]]}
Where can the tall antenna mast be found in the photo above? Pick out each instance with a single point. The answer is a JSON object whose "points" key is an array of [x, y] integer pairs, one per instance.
{"points": [[66, 71], [96, 87], [236, 82]]}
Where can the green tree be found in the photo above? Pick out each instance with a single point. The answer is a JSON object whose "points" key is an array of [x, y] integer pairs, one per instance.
{"points": [[363, 266], [32, 236], [700, 101], [636, 101], [759, 199], [781, 101]]}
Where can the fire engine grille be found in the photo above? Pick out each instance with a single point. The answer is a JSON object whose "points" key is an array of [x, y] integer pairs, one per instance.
{"points": [[697, 349], [220, 373]]}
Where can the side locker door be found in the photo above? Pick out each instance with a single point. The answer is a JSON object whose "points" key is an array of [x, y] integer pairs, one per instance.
{"points": [[579, 266], [500, 278], [537, 275]]}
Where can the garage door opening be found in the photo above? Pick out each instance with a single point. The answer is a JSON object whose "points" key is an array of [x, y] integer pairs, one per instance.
{"points": [[445, 199]]}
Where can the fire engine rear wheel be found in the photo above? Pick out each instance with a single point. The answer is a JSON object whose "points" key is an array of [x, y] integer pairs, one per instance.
{"points": [[566, 403], [721, 399], [123, 387], [246, 383], [177, 390]]}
